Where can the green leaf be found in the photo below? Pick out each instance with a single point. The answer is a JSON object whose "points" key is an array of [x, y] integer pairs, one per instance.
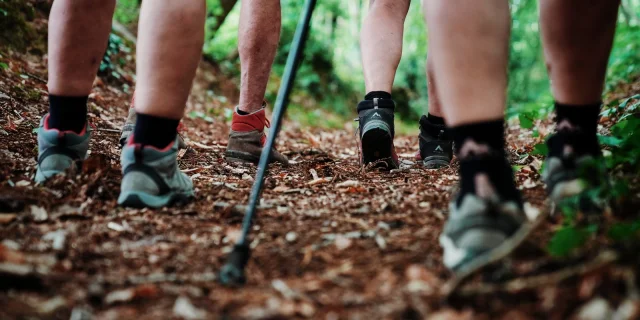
{"points": [[525, 121], [610, 141], [569, 238], [540, 149], [624, 231], [4, 66]]}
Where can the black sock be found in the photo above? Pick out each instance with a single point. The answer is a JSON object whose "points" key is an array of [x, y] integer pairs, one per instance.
{"points": [[494, 164], [490, 133], [67, 113], [378, 94], [584, 117], [435, 119], [155, 131]]}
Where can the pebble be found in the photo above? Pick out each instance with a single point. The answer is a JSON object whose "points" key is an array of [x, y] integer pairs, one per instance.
{"points": [[291, 236]]}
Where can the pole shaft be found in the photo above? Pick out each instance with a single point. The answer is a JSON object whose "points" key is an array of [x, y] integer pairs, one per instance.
{"points": [[279, 110]]}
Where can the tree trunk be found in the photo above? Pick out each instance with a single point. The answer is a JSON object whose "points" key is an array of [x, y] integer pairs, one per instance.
{"points": [[227, 6]]}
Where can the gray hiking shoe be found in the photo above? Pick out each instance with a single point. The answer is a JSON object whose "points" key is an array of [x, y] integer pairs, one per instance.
{"points": [[571, 165], [485, 215], [59, 150], [151, 177]]}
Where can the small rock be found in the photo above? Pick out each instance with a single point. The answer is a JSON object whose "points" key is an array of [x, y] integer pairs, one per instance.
{"points": [[23, 183], [247, 177], [596, 309], [291, 236], [628, 309], [342, 242], [184, 309], [79, 313], [57, 239], [114, 226], [51, 305], [39, 214], [119, 296], [282, 210], [381, 242], [383, 225]]}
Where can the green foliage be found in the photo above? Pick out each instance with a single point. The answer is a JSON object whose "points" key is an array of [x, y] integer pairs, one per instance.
{"points": [[569, 238], [331, 78], [127, 11], [625, 231], [111, 61]]}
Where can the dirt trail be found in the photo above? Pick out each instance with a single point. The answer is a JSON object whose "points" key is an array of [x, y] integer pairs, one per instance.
{"points": [[333, 241]]}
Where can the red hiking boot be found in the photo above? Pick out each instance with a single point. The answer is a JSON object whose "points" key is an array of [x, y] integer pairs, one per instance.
{"points": [[247, 138]]}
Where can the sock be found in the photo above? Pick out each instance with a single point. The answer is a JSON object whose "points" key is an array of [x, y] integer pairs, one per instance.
{"points": [[67, 113], [157, 132], [490, 133], [378, 94], [435, 119], [494, 164], [584, 117]]}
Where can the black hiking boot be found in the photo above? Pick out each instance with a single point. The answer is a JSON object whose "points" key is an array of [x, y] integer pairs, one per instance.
{"points": [[376, 129], [436, 145]]}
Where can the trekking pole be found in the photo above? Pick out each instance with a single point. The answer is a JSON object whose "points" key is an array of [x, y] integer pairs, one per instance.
{"points": [[232, 272]]}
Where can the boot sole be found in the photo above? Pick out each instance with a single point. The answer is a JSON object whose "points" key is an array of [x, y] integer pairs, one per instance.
{"points": [[466, 263], [436, 162], [377, 144], [239, 156], [139, 200]]}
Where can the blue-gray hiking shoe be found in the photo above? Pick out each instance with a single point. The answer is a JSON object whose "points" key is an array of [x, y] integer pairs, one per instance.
{"points": [[485, 215], [59, 150], [151, 177]]}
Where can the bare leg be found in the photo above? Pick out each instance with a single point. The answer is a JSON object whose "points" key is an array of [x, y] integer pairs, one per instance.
{"points": [[258, 42], [169, 49], [469, 44], [78, 35], [435, 107], [381, 42], [577, 40]]}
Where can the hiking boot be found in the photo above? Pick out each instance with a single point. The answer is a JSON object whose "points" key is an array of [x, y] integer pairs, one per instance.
{"points": [[377, 131], [486, 213], [571, 165], [59, 150], [151, 177], [436, 145], [130, 124], [247, 138]]}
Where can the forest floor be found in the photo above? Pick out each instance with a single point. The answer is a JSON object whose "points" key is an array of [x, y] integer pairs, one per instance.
{"points": [[333, 240]]}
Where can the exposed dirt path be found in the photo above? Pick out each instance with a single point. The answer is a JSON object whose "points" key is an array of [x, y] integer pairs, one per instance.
{"points": [[333, 241]]}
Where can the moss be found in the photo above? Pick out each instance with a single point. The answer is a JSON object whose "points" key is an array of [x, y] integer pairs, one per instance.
{"points": [[16, 31]]}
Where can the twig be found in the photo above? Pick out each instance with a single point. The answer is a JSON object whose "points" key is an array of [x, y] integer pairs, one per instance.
{"points": [[108, 130], [603, 259]]}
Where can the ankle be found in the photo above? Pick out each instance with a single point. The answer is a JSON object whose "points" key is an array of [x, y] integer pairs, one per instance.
{"points": [[67, 113], [581, 118], [476, 137], [158, 132], [378, 94]]}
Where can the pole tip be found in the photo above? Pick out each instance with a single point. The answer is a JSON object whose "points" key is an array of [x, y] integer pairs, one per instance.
{"points": [[232, 273]]}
